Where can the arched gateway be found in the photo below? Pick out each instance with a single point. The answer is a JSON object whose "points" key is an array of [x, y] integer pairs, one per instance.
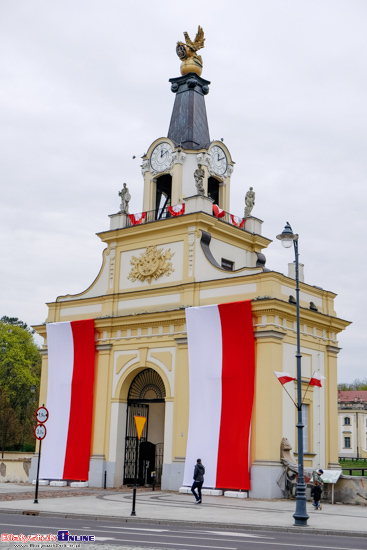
{"points": [[145, 398]]}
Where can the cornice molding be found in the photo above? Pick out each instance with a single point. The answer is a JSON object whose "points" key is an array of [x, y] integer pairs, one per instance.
{"points": [[276, 334], [333, 349], [181, 341]]}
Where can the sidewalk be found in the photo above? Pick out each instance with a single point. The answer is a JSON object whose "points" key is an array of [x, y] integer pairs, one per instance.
{"points": [[170, 507]]}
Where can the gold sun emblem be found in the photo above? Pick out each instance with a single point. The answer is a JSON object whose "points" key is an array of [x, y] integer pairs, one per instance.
{"points": [[151, 264]]}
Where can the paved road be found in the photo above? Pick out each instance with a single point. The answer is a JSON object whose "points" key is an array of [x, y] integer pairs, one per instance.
{"points": [[112, 535], [162, 508]]}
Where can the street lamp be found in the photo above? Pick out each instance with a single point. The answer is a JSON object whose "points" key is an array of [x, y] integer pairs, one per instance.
{"points": [[300, 516]]}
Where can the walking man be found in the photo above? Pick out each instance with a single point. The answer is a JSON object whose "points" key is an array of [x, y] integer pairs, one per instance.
{"points": [[199, 472]]}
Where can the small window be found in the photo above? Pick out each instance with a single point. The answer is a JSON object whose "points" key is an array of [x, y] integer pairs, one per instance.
{"points": [[227, 264], [347, 421], [347, 442]]}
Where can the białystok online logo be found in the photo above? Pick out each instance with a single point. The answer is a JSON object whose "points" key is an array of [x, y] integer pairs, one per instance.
{"points": [[62, 536]]}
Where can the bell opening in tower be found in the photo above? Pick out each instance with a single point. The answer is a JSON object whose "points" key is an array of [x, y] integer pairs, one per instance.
{"points": [[163, 196], [213, 190]]}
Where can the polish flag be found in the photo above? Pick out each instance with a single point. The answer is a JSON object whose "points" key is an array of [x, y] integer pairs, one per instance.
{"points": [[316, 379], [218, 212], [238, 222], [137, 218], [221, 368], [177, 210], [66, 448], [283, 377]]}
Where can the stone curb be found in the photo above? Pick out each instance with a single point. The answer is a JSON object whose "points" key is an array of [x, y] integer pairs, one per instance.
{"points": [[207, 525]]}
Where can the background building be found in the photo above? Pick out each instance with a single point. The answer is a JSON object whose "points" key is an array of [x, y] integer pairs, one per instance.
{"points": [[352, 413]]}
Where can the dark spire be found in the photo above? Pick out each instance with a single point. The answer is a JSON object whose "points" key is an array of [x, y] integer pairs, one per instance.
{"points": [[189, 123]]}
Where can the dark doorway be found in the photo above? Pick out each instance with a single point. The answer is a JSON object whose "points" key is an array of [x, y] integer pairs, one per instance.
{"points": [[146, 398], [213, 190], [163, 196]]}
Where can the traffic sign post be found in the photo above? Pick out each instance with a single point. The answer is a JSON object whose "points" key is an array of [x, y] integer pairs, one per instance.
{"points": [[139, 423], [40, 433]]}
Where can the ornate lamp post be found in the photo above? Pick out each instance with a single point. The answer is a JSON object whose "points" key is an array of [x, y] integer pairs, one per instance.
{"points": [[300, 516]]}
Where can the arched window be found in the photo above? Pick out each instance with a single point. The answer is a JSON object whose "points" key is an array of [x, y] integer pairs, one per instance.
{"points": [[163, 196], [346, 421], [213, 190]]}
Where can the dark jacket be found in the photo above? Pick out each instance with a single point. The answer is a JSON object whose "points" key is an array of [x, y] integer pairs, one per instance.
{"points": [[199, 472], [316, 493]]}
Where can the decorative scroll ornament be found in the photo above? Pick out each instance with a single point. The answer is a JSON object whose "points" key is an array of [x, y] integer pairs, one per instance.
{"points": [[151, 264]]}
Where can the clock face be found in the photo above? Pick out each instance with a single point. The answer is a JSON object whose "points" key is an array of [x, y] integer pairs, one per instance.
{"points": [[161, 158], [218, 162]]}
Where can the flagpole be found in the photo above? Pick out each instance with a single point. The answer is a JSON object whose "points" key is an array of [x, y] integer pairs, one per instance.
{"points": [[293, 401], [305, 392]]}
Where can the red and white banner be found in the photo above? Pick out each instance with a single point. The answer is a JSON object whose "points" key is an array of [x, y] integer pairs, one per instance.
{"points": [[238, 222], [221, 368], [218, 212], [316, 379], [71, 353], [137, 218], [177, 210], [283, 377]]}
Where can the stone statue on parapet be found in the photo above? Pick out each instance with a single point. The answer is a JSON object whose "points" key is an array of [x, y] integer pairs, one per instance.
{"points": [[249, 202], [191, 62], [199, 176], [125, 199]]}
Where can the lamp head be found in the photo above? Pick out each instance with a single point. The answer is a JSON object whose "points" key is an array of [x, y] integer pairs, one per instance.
{"points": [[287, 236]]}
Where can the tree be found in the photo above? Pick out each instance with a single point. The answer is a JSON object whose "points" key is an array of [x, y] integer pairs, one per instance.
{"points": [[17, 322], [9, 425], [357, 384], [20, 370]]}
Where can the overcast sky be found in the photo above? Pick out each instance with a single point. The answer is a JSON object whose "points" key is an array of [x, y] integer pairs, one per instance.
{"points": [[84, 87]]}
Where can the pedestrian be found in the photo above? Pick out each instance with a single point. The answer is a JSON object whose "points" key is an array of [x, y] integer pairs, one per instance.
{"points": [[199, 472], [316, 476], [316, 494]]}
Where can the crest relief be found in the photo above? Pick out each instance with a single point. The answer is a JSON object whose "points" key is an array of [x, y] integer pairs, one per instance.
{"points": [[151, 264]]}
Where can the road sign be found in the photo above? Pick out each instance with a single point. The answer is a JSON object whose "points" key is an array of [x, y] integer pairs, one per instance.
{"points": [[140, 423], [40, 431], [41, 415]]}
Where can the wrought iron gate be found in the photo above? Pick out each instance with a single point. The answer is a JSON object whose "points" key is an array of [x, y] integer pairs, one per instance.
{"points": [[130, 442]]}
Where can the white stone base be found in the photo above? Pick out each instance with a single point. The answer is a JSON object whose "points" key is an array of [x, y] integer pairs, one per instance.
{"points": [[58, 483], [79, 484], [253, 225], [264, 475], [236, 494], [212, 492], [199, 203], [41, 482]]}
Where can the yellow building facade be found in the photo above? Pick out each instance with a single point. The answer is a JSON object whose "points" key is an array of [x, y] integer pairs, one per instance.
{"points": [[174, 259]]}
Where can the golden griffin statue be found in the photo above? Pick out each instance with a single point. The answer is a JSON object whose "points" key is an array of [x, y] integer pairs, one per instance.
{"points": [[191, 62]]}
